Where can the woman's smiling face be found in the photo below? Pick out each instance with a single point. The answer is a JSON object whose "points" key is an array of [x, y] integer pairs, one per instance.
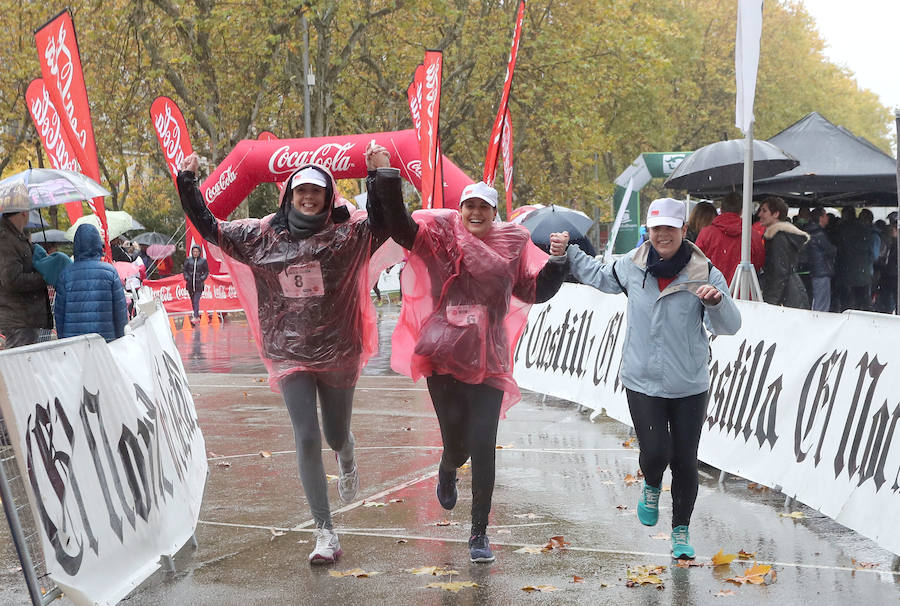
{"points": [[666, 239], [478, 216]]}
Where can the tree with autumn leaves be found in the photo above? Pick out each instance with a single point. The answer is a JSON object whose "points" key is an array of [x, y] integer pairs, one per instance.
{"points": [[597, 82]]}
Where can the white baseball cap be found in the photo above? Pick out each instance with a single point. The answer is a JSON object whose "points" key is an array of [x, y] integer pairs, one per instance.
{"points": [[309, 175], [480, 190], [665, 211]]}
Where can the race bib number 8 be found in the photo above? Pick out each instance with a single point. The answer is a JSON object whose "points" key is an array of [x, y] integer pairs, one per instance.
{"points": [[302, 280]]}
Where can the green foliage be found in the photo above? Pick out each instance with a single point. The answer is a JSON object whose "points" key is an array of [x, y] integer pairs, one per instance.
{"points": [[597, 82]]}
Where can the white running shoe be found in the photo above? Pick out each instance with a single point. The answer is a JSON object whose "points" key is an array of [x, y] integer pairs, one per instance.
{"points": [[348, 483], [328, 548]]}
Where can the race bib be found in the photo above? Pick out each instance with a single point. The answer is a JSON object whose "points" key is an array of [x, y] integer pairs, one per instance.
{"points": [[465, 315], [302, 280]]}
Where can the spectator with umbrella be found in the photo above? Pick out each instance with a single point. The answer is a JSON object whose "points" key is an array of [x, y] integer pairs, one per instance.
{"points": [[551, 219]]}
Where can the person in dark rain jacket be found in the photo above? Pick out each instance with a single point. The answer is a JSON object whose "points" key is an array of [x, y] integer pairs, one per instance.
{"points": [[780, 283], [195, 271]]}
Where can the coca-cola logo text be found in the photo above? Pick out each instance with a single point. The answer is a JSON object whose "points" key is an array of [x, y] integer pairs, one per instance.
{"points": [[333, 156], [59, 60], [168, 129], [225, 179], [47, 121]]}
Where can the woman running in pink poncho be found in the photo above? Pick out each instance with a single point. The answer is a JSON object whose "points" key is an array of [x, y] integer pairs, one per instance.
{"points": [[302, 278], [466, 292]]}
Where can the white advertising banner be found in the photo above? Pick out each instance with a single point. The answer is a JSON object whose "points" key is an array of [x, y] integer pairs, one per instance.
{"points": [[803, 400], [108, 446]]}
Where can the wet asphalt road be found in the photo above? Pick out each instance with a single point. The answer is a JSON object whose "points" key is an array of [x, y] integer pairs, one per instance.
{"points": [[557, 474]]}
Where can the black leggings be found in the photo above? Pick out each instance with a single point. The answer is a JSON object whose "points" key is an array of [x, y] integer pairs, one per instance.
{"points": [[668, 430], [468, 415]]}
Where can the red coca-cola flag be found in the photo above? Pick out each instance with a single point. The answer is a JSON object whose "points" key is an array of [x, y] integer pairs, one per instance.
{"points": [[430, 142], [175, 142], [60, 62], [49, 128], [490, 161], [506, 147]]}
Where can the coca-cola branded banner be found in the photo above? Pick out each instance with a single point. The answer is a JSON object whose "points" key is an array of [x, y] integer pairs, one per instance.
{"points": [[429, 129], [803, 400], [219, 294], [490, 161], [270, 136], [414, 96], [49, 128], [175, 142], [252, 162], [60, 63], [506, 147]]}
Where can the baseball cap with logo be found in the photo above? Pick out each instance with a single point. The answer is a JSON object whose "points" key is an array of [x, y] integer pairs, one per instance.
{"points": [[308, 175], [665, 211], [480, 190]]}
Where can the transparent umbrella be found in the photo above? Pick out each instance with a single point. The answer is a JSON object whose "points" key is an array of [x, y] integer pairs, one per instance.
{"points": [[118, 222], [42, 187]]}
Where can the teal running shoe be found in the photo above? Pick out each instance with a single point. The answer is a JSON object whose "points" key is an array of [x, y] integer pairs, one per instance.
{"points": [[681, 543], [648, 506]]}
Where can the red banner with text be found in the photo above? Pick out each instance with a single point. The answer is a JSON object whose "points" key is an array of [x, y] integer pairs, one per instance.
{"points": [[506, 148], [60, 62], [175, 142], [49, 128], [219, 294], [430, 140], [490, 161]]}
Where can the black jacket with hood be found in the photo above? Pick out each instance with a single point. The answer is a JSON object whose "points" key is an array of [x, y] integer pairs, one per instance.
{"points": [[779, 280]]}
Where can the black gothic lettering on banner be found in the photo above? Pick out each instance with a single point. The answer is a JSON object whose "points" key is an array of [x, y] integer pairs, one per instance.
{"points": [[53, 465], [561, 349], [737, 402], [175, 413]]}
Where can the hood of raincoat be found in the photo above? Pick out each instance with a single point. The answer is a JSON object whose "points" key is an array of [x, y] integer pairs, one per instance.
{"points": [[338, 214], [729, 223], [88, 244]]}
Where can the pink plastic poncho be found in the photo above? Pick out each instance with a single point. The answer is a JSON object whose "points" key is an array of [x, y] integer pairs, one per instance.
{"points": [[307, 300], [465, 302]]}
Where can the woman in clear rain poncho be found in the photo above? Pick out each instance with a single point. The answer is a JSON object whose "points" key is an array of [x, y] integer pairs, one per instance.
{"points": [[467, 288], [672, 290], [302, 276]]}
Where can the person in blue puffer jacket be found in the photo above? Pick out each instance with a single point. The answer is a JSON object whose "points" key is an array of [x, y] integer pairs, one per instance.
{"points": [[673, 291], [89, 294]]}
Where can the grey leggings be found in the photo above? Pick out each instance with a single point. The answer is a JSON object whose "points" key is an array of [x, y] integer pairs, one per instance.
{"points": [[299, 393]]}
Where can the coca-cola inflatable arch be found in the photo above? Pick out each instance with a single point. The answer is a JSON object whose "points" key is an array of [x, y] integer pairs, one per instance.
{"points": [[252, 162]]}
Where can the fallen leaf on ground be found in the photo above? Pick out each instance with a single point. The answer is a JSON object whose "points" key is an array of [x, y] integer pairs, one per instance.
{"points": [[577, 579], [645, 575], [245, 394], [446, 523], [395, 501], [432, 570], [629, 443], [359, 573], [501, 446], [622, 507], [757, 487], [724, 593], [755, 575], [275, 533], [555, 543], [689, 564], [528, 549], [746, 555], [401, 541], [796, 515], [526, 516], [407, 429], [660, 536], [723, 559], [265, 454], [541, 588], [863, 564], [213, 455], [225, 464], [455, 586], [373, 504], [630, 479]]}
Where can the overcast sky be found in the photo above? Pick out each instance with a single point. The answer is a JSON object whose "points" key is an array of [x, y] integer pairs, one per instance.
{"points": [[863, 35]]}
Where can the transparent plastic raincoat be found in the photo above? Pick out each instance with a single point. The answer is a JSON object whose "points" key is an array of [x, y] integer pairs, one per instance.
{"points": [[307, 300], [466, 301]]}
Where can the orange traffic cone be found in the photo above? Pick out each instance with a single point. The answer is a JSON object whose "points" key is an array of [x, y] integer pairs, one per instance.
{"points": [[215, 319], [204, 319], [187, 325], [172, 325]]}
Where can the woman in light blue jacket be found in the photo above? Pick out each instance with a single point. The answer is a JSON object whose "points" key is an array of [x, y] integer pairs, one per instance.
{"points": [[673, 291]]}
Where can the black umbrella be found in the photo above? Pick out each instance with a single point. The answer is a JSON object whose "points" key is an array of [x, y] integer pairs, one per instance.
{"points": [[551, 219], [49, 235], [721, 165], [151, 237]]}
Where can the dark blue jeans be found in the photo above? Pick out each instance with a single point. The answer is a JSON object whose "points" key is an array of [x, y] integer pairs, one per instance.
{"points": [[195, 300]]}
